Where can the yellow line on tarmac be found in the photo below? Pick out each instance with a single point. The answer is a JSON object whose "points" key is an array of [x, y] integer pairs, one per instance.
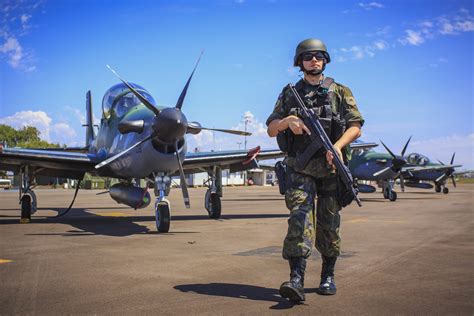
{"points": [[5, 261], [362, 220], [113, 214], [357, 220]]}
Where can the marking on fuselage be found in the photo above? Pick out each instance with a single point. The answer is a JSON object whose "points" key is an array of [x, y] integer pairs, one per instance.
{"points": [[5, 261]]}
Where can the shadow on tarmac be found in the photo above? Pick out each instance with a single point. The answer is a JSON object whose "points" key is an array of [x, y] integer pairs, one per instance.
{"points": [[90, 224], [243, 291]]}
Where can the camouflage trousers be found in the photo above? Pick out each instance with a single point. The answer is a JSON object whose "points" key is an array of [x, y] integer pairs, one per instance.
{"points": [[299, 197]]}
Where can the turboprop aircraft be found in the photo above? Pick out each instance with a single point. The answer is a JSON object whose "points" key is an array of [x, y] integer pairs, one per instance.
{"points": [[438, 173], [135, 140], [366, 164]]}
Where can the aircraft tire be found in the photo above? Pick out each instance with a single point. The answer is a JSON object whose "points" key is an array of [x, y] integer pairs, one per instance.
{"points": [[213, 205], [445, 190], [25, 208], [162, 217], [392, 196], [437, 188]]}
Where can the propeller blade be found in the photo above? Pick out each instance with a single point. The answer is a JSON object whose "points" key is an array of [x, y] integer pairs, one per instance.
{"points": [[229, 131], [179, 104], [440, 162], [389, 151], [193, 128], [405, 148], [109, 160], [454, 181], [136, 93], [402, 182], [452, 158], [381, 171], [184, 187]]}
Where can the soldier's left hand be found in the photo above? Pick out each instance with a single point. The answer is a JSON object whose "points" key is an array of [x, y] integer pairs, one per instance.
{"points": [[330, 156]]}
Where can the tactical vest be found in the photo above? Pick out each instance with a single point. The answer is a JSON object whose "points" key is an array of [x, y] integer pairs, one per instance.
{"points": [[320, 104]]}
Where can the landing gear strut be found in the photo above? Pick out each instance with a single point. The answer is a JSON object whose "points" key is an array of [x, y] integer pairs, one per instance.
{"points": [[388, 192], [162, 205], [212, 199], [27, 196], [441, 187]]}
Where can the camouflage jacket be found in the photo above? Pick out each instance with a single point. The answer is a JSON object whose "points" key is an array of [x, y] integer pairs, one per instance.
{"points": [[342, 97]]}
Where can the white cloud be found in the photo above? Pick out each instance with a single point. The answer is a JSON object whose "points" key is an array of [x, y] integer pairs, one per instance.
{"points": [[381, 45], [371, 5], [15, 22], [414, 38], [443, 147], [358, 52], [12, 48], [51, 132], [452, 24]]}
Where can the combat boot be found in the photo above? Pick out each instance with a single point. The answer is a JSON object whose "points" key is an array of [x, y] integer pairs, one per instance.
{"points": [[328, 284], [293, 290]]}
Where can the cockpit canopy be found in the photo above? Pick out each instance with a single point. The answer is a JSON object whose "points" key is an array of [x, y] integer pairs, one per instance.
{"points": [[417, 159], [119, 99]]}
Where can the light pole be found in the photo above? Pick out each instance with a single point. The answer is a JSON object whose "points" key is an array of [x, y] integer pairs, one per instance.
{"points": [[239, 143], [247, 119]]}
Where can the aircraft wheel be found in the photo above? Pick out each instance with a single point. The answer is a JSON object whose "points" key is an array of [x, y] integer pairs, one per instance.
{"points": [[437, 188], [213, 205], [386, 193], [25, 208], [162, 216], [392, 196], [445, 190]]}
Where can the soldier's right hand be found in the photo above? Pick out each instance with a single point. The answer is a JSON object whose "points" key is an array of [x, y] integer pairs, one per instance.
{"points": [[297, 126]]}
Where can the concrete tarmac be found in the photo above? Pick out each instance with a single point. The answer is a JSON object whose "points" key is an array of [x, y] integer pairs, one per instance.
{"points": [[412, 256]]}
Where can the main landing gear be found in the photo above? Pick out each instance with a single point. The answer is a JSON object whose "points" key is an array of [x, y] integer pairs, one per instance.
{"points": [[162, 205], [441, 186], [388, 192], [212, 199], [27, 196]]}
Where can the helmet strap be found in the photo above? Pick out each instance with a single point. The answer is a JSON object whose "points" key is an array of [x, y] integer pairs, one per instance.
{"points": [[312, 72]]}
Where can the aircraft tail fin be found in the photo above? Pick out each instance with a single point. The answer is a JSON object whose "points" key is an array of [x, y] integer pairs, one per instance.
{"points": [[90, 134]]}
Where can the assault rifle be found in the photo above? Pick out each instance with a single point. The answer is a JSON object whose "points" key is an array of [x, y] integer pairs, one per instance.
{"points": [[319, 139]]}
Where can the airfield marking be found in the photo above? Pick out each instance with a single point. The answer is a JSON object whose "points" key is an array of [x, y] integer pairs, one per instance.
{"points": [[357, 220], [5, 261], [363, 220], [113, 214]]}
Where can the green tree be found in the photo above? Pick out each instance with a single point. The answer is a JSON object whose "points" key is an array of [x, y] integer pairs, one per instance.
{"points": [[28, 137]]}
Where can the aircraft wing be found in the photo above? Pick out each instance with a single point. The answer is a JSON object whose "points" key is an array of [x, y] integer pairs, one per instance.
{"points": [[63, 164], [409, 169], [235, 160], [358, 145]]}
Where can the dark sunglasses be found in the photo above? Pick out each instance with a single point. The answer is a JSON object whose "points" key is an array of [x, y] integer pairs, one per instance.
{"points": [[309, 56]]}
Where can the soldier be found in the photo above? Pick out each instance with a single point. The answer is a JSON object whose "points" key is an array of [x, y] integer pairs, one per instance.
{"points": [[337, 110]]}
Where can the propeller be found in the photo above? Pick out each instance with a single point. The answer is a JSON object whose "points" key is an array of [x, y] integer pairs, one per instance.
{"points": [[184, 187], [397, 163], [449, 173]]}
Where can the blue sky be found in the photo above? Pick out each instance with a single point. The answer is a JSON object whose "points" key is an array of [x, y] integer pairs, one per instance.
{"points": [[408, 63]]}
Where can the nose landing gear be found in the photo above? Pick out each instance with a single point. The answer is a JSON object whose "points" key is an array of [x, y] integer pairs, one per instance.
{"points": [[212, 199]]}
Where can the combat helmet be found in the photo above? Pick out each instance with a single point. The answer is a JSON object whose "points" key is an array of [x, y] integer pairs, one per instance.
{"points": [[310, 45]]}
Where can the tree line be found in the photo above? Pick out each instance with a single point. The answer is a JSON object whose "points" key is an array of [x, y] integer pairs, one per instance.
{"points": [[27, 136]]}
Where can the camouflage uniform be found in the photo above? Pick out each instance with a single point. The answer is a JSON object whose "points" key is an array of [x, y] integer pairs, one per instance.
{"points": [[317, 178]]}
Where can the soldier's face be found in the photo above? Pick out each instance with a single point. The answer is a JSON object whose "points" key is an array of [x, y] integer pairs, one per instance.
{"points": [[313, 64]]}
